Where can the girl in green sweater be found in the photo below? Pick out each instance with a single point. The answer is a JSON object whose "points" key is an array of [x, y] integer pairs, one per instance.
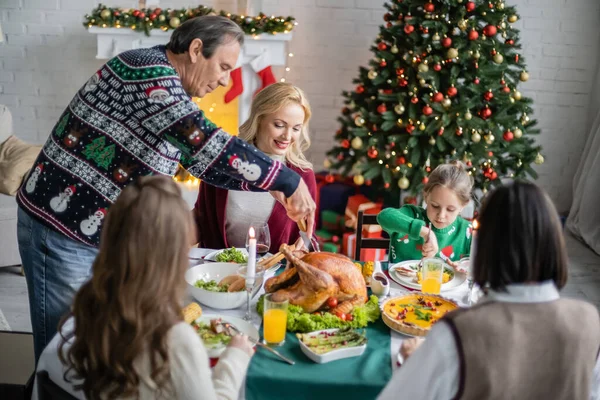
{"points": [[438, 230]]}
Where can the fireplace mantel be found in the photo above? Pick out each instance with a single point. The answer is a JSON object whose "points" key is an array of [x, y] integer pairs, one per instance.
{"points": [[112, 41]]}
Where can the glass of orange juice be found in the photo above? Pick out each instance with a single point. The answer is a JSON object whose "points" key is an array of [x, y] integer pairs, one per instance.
{"points": [[274, 321], [432, 275]]}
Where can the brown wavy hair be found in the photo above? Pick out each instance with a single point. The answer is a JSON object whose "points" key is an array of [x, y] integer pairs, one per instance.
{"points": [[455, 177], [135, 294]]}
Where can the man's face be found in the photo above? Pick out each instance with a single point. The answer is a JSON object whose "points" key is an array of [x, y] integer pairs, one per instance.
{"points": [[203, 75]]}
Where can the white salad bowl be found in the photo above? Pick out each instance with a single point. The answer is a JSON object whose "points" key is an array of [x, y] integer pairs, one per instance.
{"points": [[344, 352], [217, 271]]}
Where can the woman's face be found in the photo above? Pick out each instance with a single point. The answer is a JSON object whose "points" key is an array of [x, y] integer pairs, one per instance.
{"points": [[443, 206], [277, 131]]}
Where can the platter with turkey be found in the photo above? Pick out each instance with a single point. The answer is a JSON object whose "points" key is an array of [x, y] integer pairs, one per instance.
{"points": [[324, 290]]}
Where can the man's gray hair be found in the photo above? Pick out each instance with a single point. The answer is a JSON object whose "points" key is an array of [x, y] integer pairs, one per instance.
{"points": [[213, 30]]}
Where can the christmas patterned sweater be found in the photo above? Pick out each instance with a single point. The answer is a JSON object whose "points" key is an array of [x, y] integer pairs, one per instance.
{"points": [[404, 226], [131, 119]]}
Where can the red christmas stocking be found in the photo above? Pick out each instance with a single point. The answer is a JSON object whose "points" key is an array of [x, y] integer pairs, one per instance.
{"points": [[262, 66], [237, 87]]}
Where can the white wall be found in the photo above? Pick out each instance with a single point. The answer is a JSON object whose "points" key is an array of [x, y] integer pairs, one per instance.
{"points": [[48, 55]]}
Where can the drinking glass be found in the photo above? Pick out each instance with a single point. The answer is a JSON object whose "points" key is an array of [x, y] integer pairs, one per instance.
{"points": [[274, 321], [432, 275], [466, 264], [263, 238]]}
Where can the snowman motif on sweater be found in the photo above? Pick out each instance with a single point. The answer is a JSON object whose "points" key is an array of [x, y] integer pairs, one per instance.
{"points": [[60, 203], [91, 224], [33, 178], [250, 172]]}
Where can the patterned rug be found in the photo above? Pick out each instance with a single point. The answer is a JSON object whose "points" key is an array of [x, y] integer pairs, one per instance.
{"points": [[4, 326]]}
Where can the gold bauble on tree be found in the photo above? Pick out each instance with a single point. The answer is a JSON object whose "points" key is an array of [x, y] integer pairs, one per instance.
{"points": [[498, 58], [435, 37], [462, 24], [525, 119], [432, 141], [476, 55], [288, 26], [452, 53], [327, 163], [105, 13], [539, 159], [489, 139], [468, 115], [524, 77], [476, 137], [517, 95], [423, 67], [372, 74], [399, 109], [500, 6], [359, 180], [403, 183], [446, 103], [513, 18], [359, 121], [161, 18], [357, 143], [394, 49], [174, 22], [518, 133]]}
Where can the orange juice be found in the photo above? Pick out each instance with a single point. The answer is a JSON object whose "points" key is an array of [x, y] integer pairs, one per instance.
{"points": [[275, 322], [431, 285]]}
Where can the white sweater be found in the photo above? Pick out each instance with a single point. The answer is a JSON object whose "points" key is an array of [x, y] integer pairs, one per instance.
{"points": [[191, 375]]}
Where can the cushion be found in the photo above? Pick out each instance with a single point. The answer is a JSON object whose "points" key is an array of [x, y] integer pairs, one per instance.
{"points": [[5, 123], [16, 158]]}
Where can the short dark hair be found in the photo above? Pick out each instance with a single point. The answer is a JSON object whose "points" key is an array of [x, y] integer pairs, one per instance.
{"points": [[213, 30], [520, 239]]}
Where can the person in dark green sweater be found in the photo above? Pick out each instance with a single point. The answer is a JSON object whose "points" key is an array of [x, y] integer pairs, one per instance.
{"points": [[438, 230]]}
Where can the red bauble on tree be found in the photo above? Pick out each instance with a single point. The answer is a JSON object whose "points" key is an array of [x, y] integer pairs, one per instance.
{"points": [[488, 96], [486, 113], [408, 29], [437, 67], [452, 91], [402, 82], [360, 89], [427, 110], [425, 180], [510, 42], [470, 6], [387, 17], [401, 160], [414, 100], [381, 46], [490, 30], [429, 7], [506, 89], [381, 108], [410, 128], [372, 152], [473, 35], [441, 131], [476, 81], [386, 185], [446, 42], [508, 136], [437, 97], [345, 143], [329, 178], [382, 63]]}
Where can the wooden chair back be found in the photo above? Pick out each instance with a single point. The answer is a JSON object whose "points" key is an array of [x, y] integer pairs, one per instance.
{"points": [[367, 243]]}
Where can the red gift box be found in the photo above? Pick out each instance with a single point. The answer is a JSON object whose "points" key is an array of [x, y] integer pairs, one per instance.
{"points": [[349, 247], [357, 203]]}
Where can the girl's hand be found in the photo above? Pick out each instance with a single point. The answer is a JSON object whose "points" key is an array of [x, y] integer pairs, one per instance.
{"points": [[430, 247], [243, 343], [409, 346]]}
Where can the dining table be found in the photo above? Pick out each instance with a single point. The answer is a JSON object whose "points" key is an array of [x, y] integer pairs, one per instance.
{"points": [[361, 377]]}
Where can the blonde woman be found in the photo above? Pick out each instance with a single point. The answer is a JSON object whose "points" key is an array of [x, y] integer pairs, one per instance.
{"points": [[278, 126], [126, 337]]}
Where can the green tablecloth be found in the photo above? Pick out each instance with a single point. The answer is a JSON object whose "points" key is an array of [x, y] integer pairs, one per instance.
{"points": [[360, 377]]}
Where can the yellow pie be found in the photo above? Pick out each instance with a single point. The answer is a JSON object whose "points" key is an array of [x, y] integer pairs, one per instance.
{"points": [[415, 313]]}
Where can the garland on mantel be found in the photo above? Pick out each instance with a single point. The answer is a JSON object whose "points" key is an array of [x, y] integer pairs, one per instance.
{"points": [[146, 19]]}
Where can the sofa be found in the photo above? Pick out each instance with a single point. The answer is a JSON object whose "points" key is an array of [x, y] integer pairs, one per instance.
{"points": [[16, 158]]}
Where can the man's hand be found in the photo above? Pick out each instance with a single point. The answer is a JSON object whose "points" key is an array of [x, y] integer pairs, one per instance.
{"points": [[299, 205]]}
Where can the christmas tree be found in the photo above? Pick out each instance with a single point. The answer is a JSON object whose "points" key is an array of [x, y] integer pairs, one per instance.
{"points": [[442, 85]]}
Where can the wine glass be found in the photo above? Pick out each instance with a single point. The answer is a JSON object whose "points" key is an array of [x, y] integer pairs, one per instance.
{"points": [[263, 238], [250, 283]]}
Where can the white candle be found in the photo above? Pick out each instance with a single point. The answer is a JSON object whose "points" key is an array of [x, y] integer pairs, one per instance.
{"points": [[473, 248], [251, 267]]}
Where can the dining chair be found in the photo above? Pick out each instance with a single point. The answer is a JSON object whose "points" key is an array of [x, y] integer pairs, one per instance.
{"points": [[49, 390], [367, 243]]}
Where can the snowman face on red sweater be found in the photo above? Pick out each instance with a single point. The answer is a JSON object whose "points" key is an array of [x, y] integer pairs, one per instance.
{"points": [[443, 206]]}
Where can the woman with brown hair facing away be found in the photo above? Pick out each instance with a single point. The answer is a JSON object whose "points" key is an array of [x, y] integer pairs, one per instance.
{"points": [[278, 126], [523, 341], [126, 337]]}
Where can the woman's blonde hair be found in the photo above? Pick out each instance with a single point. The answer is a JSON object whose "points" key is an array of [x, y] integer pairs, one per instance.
{"points": [[453, 176], [270, 100], [135, 294]]}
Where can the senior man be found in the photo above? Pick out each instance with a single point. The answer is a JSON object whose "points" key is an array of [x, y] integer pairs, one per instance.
{"points": [[134, 117]]}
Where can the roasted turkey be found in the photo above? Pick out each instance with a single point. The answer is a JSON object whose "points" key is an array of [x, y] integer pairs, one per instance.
{"points": [[309, 281]]}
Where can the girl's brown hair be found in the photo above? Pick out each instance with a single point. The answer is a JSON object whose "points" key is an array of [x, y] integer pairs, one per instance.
{"points": [[453, 176], [520, 239], [270, 100], [135, 294]]}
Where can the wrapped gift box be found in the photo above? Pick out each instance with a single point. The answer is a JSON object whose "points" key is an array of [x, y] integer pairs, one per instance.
{"points": [[349, 247], [358, 203], [332, 222]]}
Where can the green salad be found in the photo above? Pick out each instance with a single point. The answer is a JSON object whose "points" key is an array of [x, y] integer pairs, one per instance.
{"points": [[300, 321], [209, 337], [211, 285], [231, 255]]}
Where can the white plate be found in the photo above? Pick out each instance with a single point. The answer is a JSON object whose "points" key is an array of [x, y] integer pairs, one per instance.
{"points": [[212, 256], [243, 326], [408, 281], [332, 355]]}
